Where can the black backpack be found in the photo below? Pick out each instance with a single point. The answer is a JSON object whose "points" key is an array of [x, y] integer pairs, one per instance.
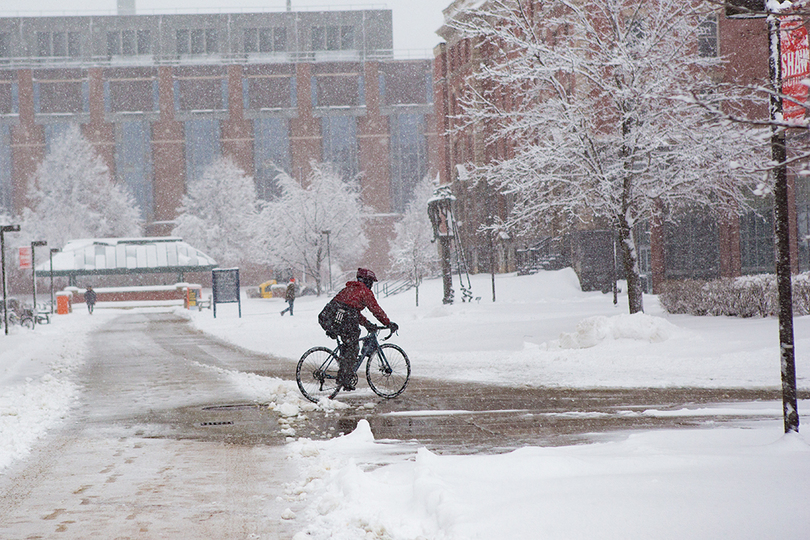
{"points": [[334, 317]]}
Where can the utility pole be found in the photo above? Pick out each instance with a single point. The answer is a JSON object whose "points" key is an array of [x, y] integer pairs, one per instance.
{"points": [[787, 353]]}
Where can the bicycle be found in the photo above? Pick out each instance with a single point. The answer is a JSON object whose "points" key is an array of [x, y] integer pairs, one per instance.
{"points": [[387, 369], [26, 321]]}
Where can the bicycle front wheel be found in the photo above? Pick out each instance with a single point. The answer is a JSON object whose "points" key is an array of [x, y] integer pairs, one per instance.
{"points": [[316, 374], [388, 371], [27, 322]]}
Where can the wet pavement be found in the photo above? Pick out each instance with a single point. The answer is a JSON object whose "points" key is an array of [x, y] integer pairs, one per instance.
{"points": [[162, 446]]}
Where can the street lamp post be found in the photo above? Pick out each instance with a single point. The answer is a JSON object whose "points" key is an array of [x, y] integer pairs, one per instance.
{"points": [[34, 245], [53, 250], [3, 230], [773, 11], [782, 232], [328, 256]]}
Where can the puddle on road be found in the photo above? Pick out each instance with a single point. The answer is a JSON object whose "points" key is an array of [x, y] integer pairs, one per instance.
{"points": [[245, 424]]}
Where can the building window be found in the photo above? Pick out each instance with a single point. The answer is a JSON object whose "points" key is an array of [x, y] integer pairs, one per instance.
{"points": [[74, 49], [707, 37], [68, 95], [408, 157], [144, 42], [756, 241], [332, 38], [692, 249], [133, 163], [339, 90], [202, 145], [340, 144], [265, 40], [6, 188], [131, 91], [271, 151], [197, 41], [5, 51], [43, 44], [58, 44], [54, 133]]}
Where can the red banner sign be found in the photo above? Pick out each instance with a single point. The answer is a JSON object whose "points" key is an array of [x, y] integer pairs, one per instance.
{"points": [[25, 258], [795, 67]]}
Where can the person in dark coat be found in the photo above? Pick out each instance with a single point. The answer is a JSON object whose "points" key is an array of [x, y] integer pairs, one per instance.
{"points": [[350, 301], [289, 296], [90, 298]]}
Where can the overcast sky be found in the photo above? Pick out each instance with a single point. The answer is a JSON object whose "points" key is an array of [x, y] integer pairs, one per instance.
{"points": [[415, 21]]}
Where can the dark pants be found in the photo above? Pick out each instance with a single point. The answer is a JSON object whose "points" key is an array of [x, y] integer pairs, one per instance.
{"points": [[349, 333], [289, 307]]}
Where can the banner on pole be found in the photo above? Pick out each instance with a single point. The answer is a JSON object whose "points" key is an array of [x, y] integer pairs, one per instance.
{"points": [[25, 258], [795, 47]]}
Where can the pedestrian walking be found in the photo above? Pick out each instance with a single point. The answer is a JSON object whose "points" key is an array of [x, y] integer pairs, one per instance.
{"points": [[289, 296], [90, 298]]}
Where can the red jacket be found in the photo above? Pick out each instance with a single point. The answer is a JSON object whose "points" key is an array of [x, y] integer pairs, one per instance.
{"points": [[358, 296]]}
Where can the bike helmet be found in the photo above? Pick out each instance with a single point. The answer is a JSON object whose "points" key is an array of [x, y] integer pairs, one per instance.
{"points": [[366, 277]]}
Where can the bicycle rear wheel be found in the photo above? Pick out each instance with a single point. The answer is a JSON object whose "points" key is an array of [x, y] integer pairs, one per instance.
{"points": [[388, 371], [316, 374]]}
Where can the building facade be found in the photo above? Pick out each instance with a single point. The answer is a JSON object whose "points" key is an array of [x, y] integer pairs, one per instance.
{"points": [[695, 246], [161, 96]]}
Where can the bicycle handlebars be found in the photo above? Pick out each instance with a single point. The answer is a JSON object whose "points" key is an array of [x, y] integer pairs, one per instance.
{"points": [[378, 328]]}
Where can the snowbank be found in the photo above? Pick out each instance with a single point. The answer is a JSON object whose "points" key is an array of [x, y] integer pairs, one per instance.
{"points": [[696, 484]]}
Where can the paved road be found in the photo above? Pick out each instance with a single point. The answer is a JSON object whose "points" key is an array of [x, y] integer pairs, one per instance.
{"points": [[162, 447], [147, 454]]}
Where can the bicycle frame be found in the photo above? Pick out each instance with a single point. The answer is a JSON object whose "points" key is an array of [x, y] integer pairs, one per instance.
{"points": [[368, 345]]}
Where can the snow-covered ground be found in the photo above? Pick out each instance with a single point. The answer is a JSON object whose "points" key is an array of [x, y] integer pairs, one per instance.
{"points": [[746, 481]]}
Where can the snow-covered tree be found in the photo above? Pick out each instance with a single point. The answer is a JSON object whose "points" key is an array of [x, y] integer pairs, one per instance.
{"points": [[74, 196], [595, 100], [412, 251], [218, 213], [292, 228]]}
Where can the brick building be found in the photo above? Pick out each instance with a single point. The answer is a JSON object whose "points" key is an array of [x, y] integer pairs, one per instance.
{"points": [[160, 96], [697, 247]]}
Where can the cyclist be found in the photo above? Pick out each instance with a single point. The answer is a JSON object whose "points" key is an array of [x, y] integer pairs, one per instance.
{"points": [[342, 318]]}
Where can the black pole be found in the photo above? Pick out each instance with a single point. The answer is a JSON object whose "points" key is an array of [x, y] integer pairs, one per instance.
{"points": [[34, 276], [34, 284], [3, 263], [53, 250], [782, 234], [4, 229]]}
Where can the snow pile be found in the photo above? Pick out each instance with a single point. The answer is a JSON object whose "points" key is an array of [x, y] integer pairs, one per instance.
{"points": [[639, 326], [28, 410], [732, 481], [351, 497], [37, 389]]}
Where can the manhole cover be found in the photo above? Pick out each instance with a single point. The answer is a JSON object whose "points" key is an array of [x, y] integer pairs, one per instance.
{"points": [[233, 407], [225, 423]]}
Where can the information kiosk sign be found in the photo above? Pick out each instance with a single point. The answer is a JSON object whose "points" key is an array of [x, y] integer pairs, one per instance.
{"points": [[226, 287]]}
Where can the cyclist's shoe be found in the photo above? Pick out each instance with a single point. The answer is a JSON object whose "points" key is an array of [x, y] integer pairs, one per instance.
{"points": [[350, 383]]}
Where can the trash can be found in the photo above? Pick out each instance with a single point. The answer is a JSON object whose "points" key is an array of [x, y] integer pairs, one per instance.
{"points": [[63, 304]]}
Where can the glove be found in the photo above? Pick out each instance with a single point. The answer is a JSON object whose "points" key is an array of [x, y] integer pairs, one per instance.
{"points": [[331, 335], [393, 326]]}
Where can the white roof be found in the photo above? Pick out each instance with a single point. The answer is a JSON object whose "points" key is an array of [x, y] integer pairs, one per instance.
{"points": [[99, 256]]}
